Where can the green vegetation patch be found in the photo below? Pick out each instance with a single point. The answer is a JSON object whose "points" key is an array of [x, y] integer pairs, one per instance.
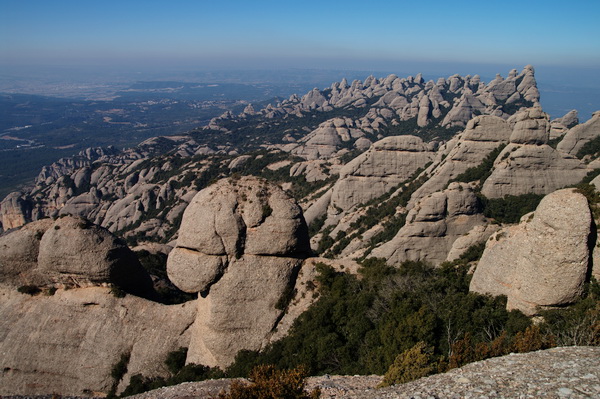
{"points": [[592, 147], [511, 208], [361, 325], [482, 171]]}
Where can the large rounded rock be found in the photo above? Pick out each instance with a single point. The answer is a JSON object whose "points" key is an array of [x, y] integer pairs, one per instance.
{"points": [[241, 244], [531, 127], [19, 252], [543, 261], [75, 251]]}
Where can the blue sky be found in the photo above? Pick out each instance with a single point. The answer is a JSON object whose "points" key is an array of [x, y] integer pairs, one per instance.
{"points": [[263, 34]]}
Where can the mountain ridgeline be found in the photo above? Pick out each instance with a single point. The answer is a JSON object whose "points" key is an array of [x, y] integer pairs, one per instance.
{"points": [[269, 215]]}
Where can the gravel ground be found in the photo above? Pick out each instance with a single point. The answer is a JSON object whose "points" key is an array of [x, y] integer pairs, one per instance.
{"points": [[568, 372]]}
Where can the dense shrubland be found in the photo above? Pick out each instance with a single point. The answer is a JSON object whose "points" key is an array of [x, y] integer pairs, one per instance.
{"points": [[361, 325]]}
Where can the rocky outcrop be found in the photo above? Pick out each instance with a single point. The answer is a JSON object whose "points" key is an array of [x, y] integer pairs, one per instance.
{"points": [[433, 225], [15, 211], [568, 120], [386, 164], [70, 252], [85, 158], [541, 373], [141, 196], [240, 245], [578, 135], [327, 139], [75, 250], [528, 164], [70, 341], [477, 235], [19, 252], [543, 261], [311, 170], [468, 149]]}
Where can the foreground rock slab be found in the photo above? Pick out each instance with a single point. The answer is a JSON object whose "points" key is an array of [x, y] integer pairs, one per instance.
{"points": [[567, 372]]}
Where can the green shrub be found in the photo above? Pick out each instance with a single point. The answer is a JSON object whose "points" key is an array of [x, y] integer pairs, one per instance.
{"points": [[176, 360], [180, 372], [316, 225], [266, 382], [359, 325], [138, 384], [410, 365]]}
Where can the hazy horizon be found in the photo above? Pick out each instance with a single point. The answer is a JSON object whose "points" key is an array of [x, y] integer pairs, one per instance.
{"points": [[309, 34], [73, 42]]}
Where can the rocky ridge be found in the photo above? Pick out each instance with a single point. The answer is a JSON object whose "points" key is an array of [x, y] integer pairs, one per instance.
{"points": [[119, 190]]}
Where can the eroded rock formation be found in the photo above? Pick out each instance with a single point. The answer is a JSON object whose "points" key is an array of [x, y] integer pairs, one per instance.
{"points": [[433, 225], [386, 164], [70, 252], [528, 164], [544, 260], [241, 245]]}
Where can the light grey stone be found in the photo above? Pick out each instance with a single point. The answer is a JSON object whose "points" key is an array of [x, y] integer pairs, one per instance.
{"points": [[543, 261]]}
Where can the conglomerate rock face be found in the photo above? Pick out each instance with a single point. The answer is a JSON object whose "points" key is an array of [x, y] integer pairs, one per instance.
{"points": [[482, 135], [386, 164], [543, 261], [241, 245], [70, 341], [68, 338], [528, 164], [433, 225]]}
